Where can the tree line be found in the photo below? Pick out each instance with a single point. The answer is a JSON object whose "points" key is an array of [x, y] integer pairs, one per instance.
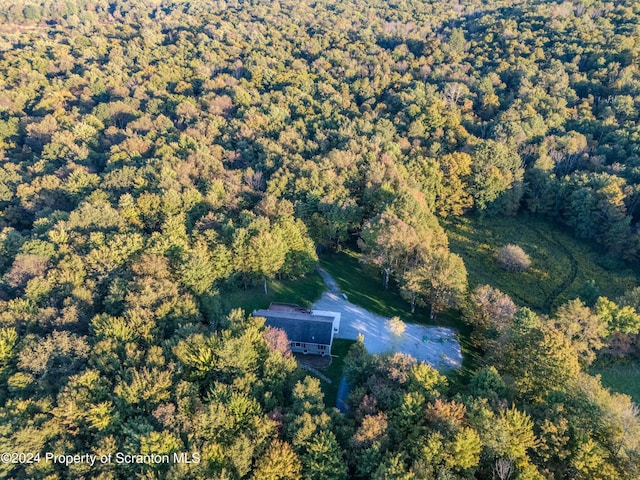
{"points": [[159, 155]]}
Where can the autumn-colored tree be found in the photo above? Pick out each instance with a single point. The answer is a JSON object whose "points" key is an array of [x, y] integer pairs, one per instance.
{"points": [[440, 282], [585, 329], [453, 197], [388, 243], [278, 463]]}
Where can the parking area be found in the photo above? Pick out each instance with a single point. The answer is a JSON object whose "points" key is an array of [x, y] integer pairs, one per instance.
{"points": [[437, 346]]}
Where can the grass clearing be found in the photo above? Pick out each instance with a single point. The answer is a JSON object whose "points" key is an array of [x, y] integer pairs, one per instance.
{"points": [[339, 351], [561, 265], [302, 291], [621, 377], [363, 286]]}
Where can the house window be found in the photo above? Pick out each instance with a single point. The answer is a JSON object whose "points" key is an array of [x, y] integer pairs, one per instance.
{"points": [[297, 344], [322, 347]]}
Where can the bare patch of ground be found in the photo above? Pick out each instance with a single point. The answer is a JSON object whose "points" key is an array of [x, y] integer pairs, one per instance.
{"points": [[315, 361]]}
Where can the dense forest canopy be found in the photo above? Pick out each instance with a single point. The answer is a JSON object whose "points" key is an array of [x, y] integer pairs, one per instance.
{"points": [[157, 155]]}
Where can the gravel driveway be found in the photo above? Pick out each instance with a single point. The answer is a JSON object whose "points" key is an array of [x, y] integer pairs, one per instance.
{"points": [[437, 346]]}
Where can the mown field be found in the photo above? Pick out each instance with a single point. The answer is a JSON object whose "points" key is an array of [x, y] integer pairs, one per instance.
{"points": [[363, 286], [562, 267]]}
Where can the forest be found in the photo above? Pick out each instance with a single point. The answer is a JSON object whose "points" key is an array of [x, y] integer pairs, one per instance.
{"points": [[158, 156]]}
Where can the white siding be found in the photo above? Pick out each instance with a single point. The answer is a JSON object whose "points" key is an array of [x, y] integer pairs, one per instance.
{"points": [[311, 348]]}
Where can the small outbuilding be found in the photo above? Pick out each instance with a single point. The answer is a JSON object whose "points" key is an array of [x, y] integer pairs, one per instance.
{"points": [[308, 331]]}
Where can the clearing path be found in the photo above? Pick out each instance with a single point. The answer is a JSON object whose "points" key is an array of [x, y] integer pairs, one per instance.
{"points": [[437, 346]]}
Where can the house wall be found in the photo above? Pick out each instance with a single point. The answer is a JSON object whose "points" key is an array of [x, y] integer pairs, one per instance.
{"points": [[312, 348]]}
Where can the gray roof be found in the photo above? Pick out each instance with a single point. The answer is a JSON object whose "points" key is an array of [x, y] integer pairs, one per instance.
{"points": [[300, 327]]}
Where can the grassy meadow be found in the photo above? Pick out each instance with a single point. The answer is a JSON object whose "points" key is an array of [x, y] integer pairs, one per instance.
{"points": [[562, 267], [622, 377]]}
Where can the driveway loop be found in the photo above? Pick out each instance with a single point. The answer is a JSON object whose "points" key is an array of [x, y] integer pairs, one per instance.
{"points": [[437, 346]]}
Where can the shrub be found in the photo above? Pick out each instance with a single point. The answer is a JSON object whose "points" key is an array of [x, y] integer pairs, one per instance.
{"points": [[513, 259]]}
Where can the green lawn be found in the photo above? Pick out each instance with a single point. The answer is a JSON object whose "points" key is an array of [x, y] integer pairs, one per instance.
{"points": [[339, 351], [302, 291], [622, 377], [562, 266], [363, 286]]}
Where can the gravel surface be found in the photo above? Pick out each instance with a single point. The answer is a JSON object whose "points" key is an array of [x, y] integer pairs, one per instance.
{"points": [[437, 346]]}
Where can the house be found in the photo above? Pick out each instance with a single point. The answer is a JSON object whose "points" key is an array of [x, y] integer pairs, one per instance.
{"points": [[308, 331]]}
